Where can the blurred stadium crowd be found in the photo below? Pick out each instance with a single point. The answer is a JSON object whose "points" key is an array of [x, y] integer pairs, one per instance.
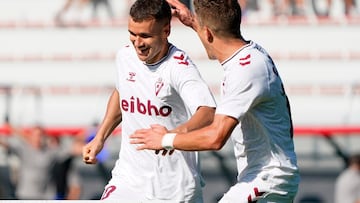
{"points": [[64, 12]]}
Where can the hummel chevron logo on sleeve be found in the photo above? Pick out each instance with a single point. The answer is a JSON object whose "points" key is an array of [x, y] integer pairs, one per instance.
{"points": [[181, 58], [245, 61]]}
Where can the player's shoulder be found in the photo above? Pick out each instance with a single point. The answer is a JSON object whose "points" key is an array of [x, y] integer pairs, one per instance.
{"points": [[124, 51], [251, 55], [179, 58]]}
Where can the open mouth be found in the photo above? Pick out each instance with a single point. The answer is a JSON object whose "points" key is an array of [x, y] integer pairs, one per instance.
{"points": [[143, 52]]}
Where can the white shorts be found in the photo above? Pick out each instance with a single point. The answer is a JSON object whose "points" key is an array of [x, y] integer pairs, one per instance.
{"points": [[119, 191], [257, 191]]}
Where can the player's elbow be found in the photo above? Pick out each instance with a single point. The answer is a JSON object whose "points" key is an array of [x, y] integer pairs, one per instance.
{"points": [[209, 118], [207, 115], [215, 141], [216, 145]]}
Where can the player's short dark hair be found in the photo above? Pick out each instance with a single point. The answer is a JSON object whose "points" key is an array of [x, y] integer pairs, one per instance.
{"points": [[150, 9], [222, 16]]}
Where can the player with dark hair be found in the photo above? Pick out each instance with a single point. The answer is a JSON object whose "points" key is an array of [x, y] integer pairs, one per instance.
{"points": [[156, 83], [254, 110]]}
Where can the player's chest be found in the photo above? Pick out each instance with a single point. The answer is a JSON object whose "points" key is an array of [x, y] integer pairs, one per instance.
{"points": [[145, 84]]}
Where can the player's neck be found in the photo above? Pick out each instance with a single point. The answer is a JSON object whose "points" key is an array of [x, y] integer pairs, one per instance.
{"points": [[162, 54], [224, 49]]}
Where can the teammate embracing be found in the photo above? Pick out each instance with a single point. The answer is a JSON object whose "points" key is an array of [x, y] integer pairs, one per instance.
{"points": [[254, 110], [156, 83]]}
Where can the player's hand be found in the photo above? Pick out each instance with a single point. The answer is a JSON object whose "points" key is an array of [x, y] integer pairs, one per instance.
{"points": [[149, 138], [182, 12], [90, 150]]}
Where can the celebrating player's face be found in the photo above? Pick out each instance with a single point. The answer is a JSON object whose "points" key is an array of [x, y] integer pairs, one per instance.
{"points": [[149, 39]]}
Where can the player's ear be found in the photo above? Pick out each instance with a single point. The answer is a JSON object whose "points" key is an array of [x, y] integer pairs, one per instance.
{"points": [[167, 29], [209, 35]]}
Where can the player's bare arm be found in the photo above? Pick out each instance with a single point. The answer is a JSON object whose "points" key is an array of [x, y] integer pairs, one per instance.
{"points": [[212, 137], [111, 120], [180, 11], [202, 117]]}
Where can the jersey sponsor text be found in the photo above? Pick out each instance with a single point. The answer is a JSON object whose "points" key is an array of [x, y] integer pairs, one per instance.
{"points": [[146, 108]]}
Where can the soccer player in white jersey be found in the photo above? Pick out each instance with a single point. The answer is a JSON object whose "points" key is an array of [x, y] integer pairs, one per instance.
{"points": [[156, 83], [254, 110]]}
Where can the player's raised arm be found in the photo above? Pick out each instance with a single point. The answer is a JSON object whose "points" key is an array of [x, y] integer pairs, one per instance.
{"points": [[183, 13]]}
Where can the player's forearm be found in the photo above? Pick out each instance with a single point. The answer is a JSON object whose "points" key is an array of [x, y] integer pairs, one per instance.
{"points": [[198, 140], [107, 127], [202, 117], [212, 137], [112, 117]]}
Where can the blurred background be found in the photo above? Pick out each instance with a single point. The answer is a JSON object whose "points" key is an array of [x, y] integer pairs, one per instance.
{"points": [[57, 72]]}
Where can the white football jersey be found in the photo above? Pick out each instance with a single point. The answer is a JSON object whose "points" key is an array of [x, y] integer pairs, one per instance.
{"points": [[253, 93], [167, 93]]}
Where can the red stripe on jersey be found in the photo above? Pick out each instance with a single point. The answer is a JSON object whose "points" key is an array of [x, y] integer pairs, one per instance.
{"points": [[181, 58], [257, 193], [245, 61], [249, 199], [108, 191], [246, 57], [184, 62]]}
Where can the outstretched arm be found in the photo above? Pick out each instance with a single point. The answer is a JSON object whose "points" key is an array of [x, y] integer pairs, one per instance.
{"points": [[111, 120], [202, 117], [212, 137]]}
